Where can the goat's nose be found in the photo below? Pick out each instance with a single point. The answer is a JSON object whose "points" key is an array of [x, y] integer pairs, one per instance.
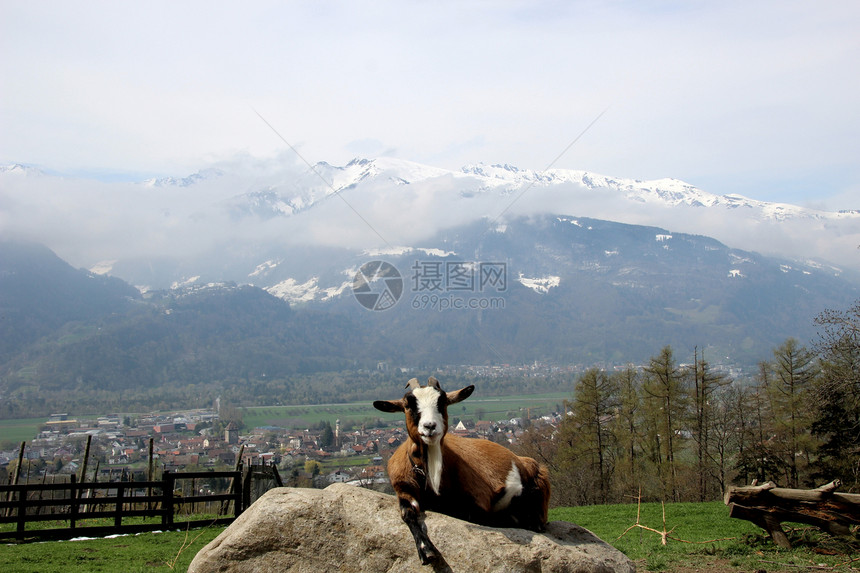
{"points": [[430, 426]]}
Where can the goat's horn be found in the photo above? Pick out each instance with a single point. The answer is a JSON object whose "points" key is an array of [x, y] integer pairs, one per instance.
{"points": [[433, 382], [413, 384]]}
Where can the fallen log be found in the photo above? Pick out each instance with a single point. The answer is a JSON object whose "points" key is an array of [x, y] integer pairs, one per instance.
{"points": [[768, 506]]}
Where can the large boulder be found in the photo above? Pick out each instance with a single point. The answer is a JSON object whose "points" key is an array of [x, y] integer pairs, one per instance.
{"points": [[350, 529]]}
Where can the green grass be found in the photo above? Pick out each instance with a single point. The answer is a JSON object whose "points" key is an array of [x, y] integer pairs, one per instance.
{"points": [[145, 552], [20, 430], [717, 542], [491, 408], [305, 416], [748, 550]]}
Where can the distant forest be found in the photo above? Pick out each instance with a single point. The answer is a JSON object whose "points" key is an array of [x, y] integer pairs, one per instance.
{"points": [[314, 388]]}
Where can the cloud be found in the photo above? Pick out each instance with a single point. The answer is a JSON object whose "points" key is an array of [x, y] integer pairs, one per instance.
{"points": [[743, 96]]}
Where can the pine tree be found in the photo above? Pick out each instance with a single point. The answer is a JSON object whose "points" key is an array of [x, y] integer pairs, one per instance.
{"points": [[789, 389], [626, 428], [837, 415], [664, 387]]}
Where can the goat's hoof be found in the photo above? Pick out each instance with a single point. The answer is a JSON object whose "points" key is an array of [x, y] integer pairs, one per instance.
{"points": [[429, 558], [428, 555]]}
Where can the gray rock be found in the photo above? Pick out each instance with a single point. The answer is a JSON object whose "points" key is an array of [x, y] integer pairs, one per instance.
{"points": [[350, 529]]}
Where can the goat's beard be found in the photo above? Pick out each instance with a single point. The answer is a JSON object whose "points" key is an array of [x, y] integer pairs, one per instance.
{"points": [[433, 439]]}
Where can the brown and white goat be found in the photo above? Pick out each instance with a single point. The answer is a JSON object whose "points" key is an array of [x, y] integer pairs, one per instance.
{"points": [[472, 479]]}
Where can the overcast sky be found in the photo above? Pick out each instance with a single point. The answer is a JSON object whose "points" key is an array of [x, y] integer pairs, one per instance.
{"points": [[757, 98]]}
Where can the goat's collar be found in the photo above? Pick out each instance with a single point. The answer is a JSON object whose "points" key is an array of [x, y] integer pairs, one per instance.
{"points": [[419, 466], [427, 466]]}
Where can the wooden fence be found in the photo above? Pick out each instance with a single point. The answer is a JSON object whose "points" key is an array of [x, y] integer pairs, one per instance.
{"points": [[77, 503]]}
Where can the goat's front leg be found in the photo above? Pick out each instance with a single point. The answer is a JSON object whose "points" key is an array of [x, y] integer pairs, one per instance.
{"points": [[413, 517]]}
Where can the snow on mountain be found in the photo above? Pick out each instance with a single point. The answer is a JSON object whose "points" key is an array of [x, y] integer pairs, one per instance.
{"points": [[296, 194], [475, 180], [193, 179], [293, 291], [398, 171], [263, 268], [18, 169], [400, 251], [540, 285], [102, 267], [667, 191], [185, 282], [386, 201]]}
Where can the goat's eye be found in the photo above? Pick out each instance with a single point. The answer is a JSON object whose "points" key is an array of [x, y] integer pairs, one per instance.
{"points": [[412, 408]]}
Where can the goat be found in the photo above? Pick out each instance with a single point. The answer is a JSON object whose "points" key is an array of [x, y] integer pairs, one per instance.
{"points": [[472, 479]]}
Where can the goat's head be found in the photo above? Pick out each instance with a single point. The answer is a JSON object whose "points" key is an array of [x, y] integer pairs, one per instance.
{"points": [[426, 409]]}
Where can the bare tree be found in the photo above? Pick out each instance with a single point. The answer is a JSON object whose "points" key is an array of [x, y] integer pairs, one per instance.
{"points": [[705, 382]]}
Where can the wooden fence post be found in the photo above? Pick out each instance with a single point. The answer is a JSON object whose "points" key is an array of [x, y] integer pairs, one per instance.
{"points": [[238, 488], [277, 475], [86, 458], [120, 495], [167, 498], [238, 467], [22, 512], [16, 475], [73, 497], [248, 481], [150, 474]]}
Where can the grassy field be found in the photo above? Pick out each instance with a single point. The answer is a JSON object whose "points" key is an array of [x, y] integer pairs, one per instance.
{"points": [[145, 552], [21, 430], [702, 538], [492, 408]]}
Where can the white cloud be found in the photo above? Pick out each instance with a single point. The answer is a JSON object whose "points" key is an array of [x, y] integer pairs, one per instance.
{"points": [[734, 96]]}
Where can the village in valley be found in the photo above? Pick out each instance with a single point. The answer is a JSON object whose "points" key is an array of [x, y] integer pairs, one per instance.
{"points": [[122, 447]]}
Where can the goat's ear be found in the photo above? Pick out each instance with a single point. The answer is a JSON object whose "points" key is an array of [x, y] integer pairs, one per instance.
{"points": [[460, 395], [390, 405]]}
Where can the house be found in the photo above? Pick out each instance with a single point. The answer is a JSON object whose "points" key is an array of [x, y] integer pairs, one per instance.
{"points": [[231, 433], [484, 427], [338, 476]]}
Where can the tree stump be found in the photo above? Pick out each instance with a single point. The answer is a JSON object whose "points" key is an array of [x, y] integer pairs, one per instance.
{"points": [[768, 506]]}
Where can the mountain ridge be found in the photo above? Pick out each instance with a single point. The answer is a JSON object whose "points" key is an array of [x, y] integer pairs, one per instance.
{"points": [[568, 291], [400, 202]]}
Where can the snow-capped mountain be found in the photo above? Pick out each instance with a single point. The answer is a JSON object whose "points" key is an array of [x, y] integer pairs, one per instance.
{"points": [[200, 176], [626, 196], [405, 202], [665, 192], [17, 169], [258, 209], [496, 264]]}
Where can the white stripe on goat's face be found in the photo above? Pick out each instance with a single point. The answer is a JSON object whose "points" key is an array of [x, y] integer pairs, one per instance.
{"points": [[431, 422]]}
